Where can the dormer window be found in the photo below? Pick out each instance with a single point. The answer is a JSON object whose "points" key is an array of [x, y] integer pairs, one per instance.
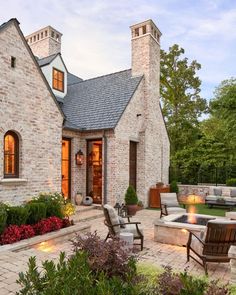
{"points": [[58, 80]]}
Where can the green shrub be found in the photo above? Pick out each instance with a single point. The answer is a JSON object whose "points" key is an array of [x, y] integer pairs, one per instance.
{"points": [[17, 215], [174, 187], [3, 217], [171, 283], [36, 212], [72, 276], [54, 203], [231, 182], [131, 196]]}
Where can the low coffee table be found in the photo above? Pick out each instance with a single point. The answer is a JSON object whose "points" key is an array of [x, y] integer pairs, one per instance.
{"points": [[227, 204]]}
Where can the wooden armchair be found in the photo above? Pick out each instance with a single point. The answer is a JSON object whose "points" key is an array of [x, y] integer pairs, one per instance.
{"points": [[212, 245], [116, 225], [170, 204]]}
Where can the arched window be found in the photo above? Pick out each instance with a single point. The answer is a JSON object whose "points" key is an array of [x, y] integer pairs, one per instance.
{"points": [[11, 155]]}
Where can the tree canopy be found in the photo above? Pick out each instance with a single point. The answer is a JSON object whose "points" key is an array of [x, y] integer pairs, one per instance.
{"points": [[180, 97], [197, 145]]}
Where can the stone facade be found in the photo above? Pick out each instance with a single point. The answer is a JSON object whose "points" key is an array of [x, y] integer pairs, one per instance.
{"points": [[142, 122], [40, 131], [29, 109]]}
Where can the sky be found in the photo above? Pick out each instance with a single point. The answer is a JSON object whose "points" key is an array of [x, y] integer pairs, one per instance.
{"points": [[96, 34]]}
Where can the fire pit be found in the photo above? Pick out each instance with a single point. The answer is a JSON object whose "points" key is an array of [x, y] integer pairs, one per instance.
{"points": [[197, 220], [173, 229]]}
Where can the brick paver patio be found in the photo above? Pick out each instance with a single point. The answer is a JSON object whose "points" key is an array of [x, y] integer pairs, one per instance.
{"points": [[156, 253]]}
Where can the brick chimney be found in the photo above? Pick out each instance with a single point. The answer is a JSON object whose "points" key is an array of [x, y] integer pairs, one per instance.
{"points": [[45, 42], [146, 54]]}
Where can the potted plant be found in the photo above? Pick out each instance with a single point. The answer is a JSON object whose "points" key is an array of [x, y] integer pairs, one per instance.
{"points": [[140, 205], [131, 201]]}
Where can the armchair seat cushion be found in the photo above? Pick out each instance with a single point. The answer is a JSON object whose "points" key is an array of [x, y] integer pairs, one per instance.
{"points": [[175, 210], [131, 228]]}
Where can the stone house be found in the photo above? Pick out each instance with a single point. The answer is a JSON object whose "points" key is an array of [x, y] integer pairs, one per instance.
{"points": [[92, 136]]}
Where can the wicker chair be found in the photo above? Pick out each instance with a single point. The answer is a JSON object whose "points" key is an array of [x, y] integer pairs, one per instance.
{"points": [[116, 225], [213, 244], [170, 204]]}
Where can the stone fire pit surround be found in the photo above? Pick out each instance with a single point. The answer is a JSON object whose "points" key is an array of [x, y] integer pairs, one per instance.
{"points": [[175, 233]]}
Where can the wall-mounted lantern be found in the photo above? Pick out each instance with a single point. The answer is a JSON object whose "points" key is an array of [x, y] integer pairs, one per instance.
{"points": [[79, 158]]}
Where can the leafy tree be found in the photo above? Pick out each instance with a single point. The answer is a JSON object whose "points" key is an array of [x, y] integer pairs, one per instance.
{"points": [[180, 96], [223, 109]]}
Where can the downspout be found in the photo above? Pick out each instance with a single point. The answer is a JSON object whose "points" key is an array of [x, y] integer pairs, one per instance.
{"points": [[105, 167]]}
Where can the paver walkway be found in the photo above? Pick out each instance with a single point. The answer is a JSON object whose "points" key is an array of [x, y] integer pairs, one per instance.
{"points": [[156, 253]]}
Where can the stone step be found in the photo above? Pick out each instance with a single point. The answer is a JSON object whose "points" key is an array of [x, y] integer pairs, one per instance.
{"points": [[86, 214], [82, 208]]}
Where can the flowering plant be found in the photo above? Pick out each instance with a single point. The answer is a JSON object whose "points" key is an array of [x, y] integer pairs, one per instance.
{"points": [[68, 209], [11, 235], [42, 227], [56, 223], [26, 231]]}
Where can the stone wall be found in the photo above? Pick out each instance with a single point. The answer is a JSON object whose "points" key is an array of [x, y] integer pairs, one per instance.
{"points": [[29, 109]]}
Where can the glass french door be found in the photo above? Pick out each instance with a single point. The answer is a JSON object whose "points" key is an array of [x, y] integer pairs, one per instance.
{"points": [[94, 170], [65, 168]]}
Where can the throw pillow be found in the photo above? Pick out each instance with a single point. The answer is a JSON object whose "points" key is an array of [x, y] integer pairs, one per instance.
{"points": [[233, 193], [217, 191]]}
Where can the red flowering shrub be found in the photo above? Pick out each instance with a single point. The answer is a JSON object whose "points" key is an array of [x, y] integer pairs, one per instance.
{"points": [[42, 227], [65, 222], [15, 233], [56, 222], [10, 235], [26, 231]]}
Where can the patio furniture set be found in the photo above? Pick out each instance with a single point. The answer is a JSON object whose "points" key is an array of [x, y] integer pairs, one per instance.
{"points": [[209, 243]]}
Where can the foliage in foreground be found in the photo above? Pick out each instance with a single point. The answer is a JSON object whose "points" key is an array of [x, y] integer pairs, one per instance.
{"points": [[90, 270], [104, 268]]}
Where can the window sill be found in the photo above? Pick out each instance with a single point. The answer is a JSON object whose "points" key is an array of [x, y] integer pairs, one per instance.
{"points": [[9, 181]]}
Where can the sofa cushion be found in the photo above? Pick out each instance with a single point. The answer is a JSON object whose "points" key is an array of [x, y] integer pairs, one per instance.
{"points": [[233, 193], [211, 198]]}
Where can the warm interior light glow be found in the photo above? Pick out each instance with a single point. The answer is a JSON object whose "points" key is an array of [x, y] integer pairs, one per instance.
{"points": [[191, 214], [184, 231]]}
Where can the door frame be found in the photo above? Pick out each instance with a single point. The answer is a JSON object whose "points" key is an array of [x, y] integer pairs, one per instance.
{"points": [[69, 174], [134, 143]]}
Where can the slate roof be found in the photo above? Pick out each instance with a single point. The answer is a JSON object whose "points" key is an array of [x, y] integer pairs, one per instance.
{"points": [[46, 60], [72, 79], [99, 103]]}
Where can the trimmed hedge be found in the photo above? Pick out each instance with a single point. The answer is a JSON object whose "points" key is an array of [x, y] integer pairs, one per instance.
{"points": [[17, 215], [36, 212], [3, 217]]}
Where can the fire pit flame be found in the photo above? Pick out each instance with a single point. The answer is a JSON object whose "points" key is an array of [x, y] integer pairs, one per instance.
{"points": [[191, 216]]}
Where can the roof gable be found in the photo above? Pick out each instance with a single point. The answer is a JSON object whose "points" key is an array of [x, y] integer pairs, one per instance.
{"points": [[99, 103], [16, 24]]}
